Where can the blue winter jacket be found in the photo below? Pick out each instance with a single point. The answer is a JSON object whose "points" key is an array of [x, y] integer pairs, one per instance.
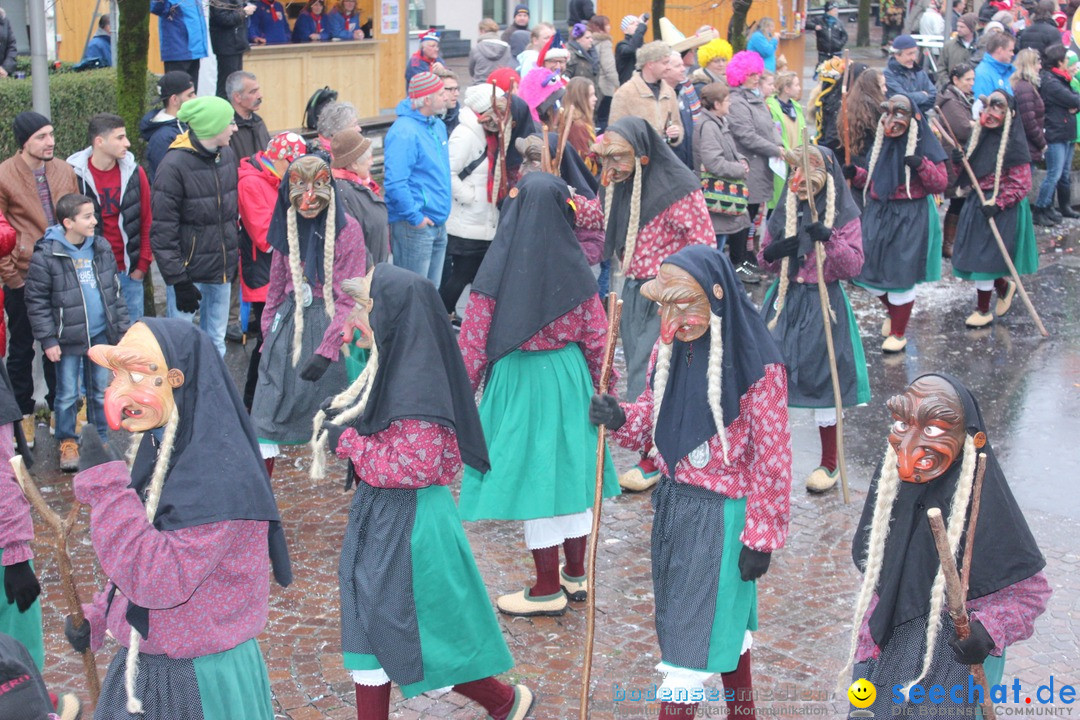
{"points": [[991, 75], [764, 47], [182, 29], [416, 166], [100, 48], [912, 81], [262, 25], [304, 28]]}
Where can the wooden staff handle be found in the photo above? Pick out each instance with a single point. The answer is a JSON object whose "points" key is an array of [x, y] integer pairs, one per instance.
{"points": [[994, 228], [545, 151], [568, 120], [844, 120], [969, 542], [62, 528], [955, 598], [826, 318], [614, 313]]}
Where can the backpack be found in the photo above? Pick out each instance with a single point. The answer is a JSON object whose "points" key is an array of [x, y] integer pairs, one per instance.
{"points": [[315, 104]]}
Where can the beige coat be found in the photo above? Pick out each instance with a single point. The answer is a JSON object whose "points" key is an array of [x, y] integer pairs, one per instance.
{"points": [[19, 202], [634, 98]]}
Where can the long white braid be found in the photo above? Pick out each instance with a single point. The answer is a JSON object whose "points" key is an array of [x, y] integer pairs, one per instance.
{"points": [[635, 218], [887, 489], [789, 230], [716, 374], [1005, 134], [957, 517], [153, 497], [329, 235], [912, 143], [879, 137], [660, 380], [297, 272], [133, 449], [358, 392]]}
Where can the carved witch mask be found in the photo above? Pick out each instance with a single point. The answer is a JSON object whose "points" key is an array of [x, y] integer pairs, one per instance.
{"points": [[928, 429], [309, 186], [684, 307], [896, 116]]}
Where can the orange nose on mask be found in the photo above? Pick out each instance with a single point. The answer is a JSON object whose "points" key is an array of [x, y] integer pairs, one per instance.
{"points": [[114, 408]]}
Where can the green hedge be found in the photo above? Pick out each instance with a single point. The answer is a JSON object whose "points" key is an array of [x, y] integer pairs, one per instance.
{"points": [[74, 97]]}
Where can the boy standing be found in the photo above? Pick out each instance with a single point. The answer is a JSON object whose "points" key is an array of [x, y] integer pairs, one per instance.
{"points": [[74, 301]]}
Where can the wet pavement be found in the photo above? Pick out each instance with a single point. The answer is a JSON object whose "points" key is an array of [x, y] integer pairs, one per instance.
{"points": [[1028, 388]]}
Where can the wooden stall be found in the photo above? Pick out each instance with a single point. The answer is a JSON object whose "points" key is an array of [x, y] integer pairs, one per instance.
{"points": [[689, 15]]}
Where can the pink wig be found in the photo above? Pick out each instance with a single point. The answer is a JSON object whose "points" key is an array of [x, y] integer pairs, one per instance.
{"points": [[537, 86], [744, 63]]}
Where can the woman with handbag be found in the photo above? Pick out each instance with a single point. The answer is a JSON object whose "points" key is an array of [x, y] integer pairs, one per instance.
{"points": [[723, 170]]}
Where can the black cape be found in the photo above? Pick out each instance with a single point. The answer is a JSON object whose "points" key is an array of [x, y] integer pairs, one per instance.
{"points": [[421, 373], [535, 268], [685, 420], [846, 209], [889, 169], [664, 181], [216, 472], [1005, 551], [311, 233], [573, 169], [522, 125], [983, 158]]}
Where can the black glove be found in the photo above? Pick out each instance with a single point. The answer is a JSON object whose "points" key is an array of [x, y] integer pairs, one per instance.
{"points": [[314, 368], [913, 161], [781, 248], [604, 410], [78, 637], [753, 563], [849, 172], [21, 585], [92, 451], [187, 296], [819, 233], [973, 649], [334, 434], [990, 211], [957, 157]]}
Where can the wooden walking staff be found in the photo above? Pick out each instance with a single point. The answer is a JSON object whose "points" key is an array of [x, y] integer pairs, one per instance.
{"points": [[954, 594], [976, 503], [845, 123], [62, 528], [827, 318], [614, 313], [993, 225], [564, 134]]}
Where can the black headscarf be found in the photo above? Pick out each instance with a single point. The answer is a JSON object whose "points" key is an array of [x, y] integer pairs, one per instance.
{"points": [[573, 169], [664, 181], [889, 169], [846, 209], [983, 159], [535, 268], [685, 420], [216, 472], [1005, 551], [309, 232], [421, 373], [522, 126]]}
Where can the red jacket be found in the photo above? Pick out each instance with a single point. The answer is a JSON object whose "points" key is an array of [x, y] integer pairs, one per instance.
{"points": [[257, 191], [7, 244]]}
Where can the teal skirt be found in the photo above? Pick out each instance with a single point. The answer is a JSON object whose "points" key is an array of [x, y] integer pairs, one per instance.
{"points": [[542, 447], [438, 631], [23, 626]]}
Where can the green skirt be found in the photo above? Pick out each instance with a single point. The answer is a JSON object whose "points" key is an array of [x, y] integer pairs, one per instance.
{"points": [[24, 627], [542, 447], [460, 639], [1025, 254]]}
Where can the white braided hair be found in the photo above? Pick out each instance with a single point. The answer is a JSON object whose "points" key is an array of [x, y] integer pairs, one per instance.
{"points": [[153, 497], [297, 272], [351, 402], [875, 151], [715, 376], [635, 216], [912, 143], [974, 140], [888, 487], [790, 229]]}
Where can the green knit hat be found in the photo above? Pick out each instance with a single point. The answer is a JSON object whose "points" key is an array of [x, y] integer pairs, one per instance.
{"points": [[206, 116]]}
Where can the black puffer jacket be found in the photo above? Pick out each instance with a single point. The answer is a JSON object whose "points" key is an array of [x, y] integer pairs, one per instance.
{"points": [[1040, 35], [194, 234], [54, 296], [7, 44], [1059, 124], [229, 27]]}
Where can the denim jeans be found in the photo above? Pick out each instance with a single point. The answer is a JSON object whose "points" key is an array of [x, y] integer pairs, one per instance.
{"points": [[132, 292], [721, 241], [421, 250], [1058, 157], [213, 310], [95, 380]]}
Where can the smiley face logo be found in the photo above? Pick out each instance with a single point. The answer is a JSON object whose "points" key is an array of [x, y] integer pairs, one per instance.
{"points": [[862, 693]]}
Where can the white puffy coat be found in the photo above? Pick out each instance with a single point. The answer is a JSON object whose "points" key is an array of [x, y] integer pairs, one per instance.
{"points": [[471, 215]]}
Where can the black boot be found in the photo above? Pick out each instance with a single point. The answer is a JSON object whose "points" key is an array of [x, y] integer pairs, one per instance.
{"points": [[1052, 215], [1063, 204], [1038, 216]]}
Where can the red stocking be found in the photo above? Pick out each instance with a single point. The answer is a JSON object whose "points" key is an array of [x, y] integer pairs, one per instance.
{"points": [[884, 298], [1002, 286], [670, 710], [575, 555], [547, 572], [647, 463], [828, 446], [983, 300], [269, 466], [739, 686], [900, 315], [373, 702], [493, 695]]}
